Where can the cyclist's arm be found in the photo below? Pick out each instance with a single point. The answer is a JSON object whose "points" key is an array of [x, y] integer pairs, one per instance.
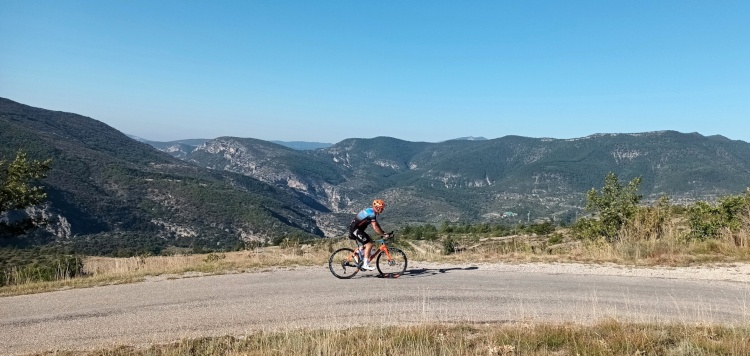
{"points": [[376, 227]]}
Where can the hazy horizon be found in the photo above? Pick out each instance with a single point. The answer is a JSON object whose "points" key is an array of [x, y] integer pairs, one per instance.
{"points": [[476, 138]]}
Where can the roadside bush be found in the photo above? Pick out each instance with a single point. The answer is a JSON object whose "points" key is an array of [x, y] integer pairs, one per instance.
{"points": [[555, 239], [649, 222], [730, 216], [705, 221], [449, 246], [588, 228], [213, 257], [542, 229], [43, 268], [613, 207]]}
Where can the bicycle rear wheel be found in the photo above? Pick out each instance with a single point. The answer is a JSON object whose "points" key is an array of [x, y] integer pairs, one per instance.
{"points": [[396, 265], [341, 263]]}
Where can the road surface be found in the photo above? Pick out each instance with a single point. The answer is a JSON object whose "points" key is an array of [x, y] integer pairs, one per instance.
{"points": [[163, 310]]}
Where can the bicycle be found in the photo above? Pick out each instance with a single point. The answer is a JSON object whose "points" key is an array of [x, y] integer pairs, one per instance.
{"points": [[345, 263]]}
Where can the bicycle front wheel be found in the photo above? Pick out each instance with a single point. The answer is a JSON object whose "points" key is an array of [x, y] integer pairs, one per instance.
{"points": [[342, 263], [395, 265]]}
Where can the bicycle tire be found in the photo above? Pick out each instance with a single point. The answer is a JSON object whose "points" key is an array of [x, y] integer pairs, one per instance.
{"points": [[340, 266], [396, 266]]}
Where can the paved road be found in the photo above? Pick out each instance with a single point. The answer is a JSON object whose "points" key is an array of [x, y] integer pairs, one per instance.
{"points": [[166, 310]]}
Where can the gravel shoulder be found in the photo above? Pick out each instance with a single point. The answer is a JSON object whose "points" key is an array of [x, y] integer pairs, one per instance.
{"points": [[737, 272]]}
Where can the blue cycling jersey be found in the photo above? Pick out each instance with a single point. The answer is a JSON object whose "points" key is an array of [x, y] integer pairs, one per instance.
{"points": [[364, 218]]}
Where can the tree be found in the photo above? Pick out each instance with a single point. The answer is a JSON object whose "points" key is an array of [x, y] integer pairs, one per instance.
{"points": [[614, 205], [17, 190]]}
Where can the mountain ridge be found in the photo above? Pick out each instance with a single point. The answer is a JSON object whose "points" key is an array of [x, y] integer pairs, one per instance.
{"points": [[233, 189], [549, 176]]}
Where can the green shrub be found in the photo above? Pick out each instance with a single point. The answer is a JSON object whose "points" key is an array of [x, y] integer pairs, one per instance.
{"points": [[213, 257], [555, 239], [449, 245], [42, 268], [613, 207], [707, 221], [542, 229]]}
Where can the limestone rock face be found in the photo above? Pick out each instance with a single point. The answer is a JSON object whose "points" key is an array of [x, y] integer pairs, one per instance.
{"points": [[41, 216]]}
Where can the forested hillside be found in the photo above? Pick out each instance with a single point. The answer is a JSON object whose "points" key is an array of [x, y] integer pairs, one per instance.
{"points": [[109, 189], [462, 180]]}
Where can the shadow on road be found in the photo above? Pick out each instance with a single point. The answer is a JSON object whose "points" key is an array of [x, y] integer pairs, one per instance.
{"points": [[428, 272]]}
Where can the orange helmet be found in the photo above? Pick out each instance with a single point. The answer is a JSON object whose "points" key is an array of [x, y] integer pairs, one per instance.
{"points": [[378, 205]]}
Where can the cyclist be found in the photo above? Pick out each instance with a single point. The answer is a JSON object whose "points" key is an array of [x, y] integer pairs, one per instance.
{"points": [[357, 228]]}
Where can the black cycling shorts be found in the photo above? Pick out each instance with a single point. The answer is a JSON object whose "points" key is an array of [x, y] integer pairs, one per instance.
{"points": [[358, 234]]}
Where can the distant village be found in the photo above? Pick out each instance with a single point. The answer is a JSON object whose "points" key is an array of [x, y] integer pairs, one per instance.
{"points": [[509, 214]]}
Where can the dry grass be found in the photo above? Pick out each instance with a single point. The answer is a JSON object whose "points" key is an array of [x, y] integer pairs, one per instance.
{"points": [[665, 251], [606, 338], [668, 252], [656, 252]]}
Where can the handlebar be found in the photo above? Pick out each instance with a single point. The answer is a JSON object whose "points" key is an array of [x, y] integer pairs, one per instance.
{"points": [[382, 241]]}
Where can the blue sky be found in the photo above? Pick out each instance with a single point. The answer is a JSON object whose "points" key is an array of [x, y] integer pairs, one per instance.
{"points": [[416, 70]]}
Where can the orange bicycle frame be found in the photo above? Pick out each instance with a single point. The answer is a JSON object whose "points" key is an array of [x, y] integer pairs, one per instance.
{"points": [[382, 248]]}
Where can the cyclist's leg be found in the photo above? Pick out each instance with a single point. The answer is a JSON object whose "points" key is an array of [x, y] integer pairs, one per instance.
{"points": [[353, 235], [364, 239], [360, 245]]}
